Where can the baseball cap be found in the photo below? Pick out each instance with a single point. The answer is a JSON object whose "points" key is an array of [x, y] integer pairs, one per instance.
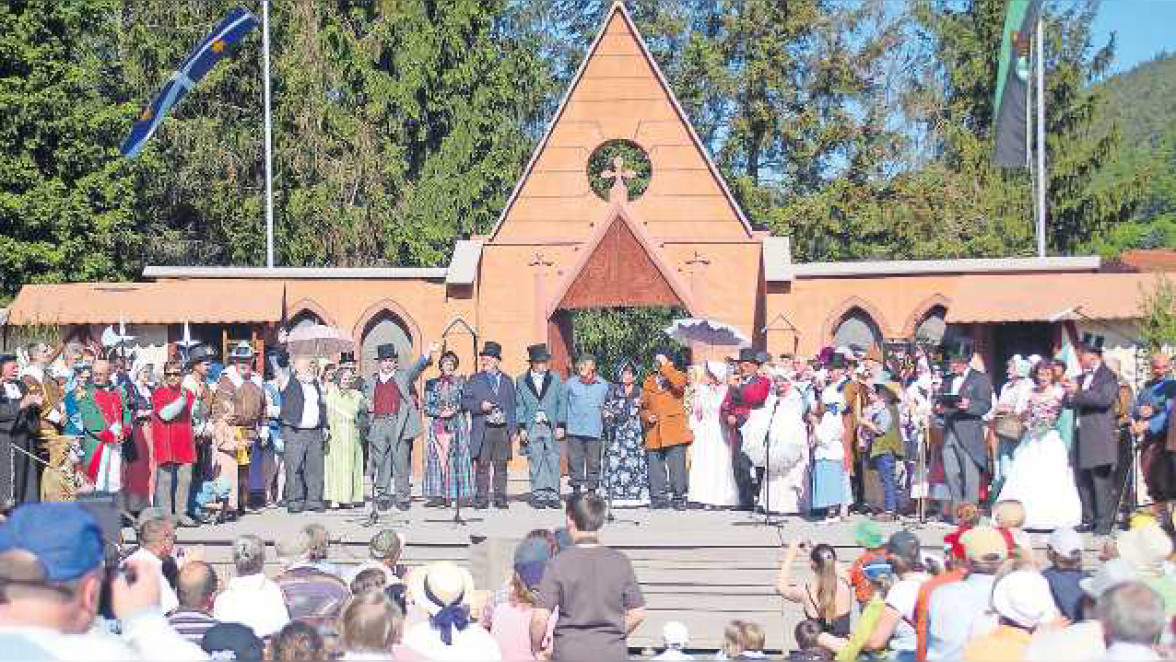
{"points": [[984, 543], [904, 545], [531, 572], [1065, 542], [675, 634], [875, 570], [232, 641], [867, 534], [65, 538], [1023, 597]]}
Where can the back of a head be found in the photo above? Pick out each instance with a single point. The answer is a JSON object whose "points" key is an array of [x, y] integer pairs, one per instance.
{"points": [[296, 642], [318, 542], [154, 531], [1009, 514], [370, 622], [1131, 612], [807, 633], [196, 585], [588, 512], [370, 579], [248, 555]]}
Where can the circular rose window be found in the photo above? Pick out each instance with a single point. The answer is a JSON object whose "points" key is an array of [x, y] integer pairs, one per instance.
{"points": [[619, 167]]}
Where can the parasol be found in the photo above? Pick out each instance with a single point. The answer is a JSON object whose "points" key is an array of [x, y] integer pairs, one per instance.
{"points": [[318, 340], [690, 330]]}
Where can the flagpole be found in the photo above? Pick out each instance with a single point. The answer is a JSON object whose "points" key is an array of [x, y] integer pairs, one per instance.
{"points": [[269, 180], [1041, 179]]}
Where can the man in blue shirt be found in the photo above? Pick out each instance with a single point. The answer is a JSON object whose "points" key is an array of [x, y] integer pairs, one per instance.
{"points": [[1150, 428], [583, 407], [955, 610]]}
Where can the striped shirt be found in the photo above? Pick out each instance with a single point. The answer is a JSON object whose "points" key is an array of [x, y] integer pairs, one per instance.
{"points": [[191, 624]]}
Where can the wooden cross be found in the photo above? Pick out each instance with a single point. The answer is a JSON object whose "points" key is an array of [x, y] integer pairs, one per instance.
{"points": [[539, 261], [698, 258], [619, 192]]}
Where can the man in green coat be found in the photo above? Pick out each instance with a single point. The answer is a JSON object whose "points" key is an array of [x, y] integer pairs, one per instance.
{"points": [[106, 420]]}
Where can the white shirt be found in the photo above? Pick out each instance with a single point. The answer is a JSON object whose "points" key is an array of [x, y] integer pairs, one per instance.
{"points": [[310, 406], [1130, 652], [673, 655], [957, 382], [255, 601], [146, 636], [472, 643], [11, 391], [902, 597], [537, 380], [168, 601]]}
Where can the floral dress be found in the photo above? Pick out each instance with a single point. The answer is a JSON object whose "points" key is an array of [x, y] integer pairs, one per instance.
{"points": [[625, 471], [448, 442]]}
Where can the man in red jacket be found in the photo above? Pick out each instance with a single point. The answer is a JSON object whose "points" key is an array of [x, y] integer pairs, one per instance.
{"points": [[748, 394]]}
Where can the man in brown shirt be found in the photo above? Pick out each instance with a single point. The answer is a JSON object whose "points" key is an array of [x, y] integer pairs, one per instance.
{"points": [[239, 411]]}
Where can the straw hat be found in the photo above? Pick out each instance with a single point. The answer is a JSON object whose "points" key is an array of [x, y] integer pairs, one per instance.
{"points": [[442, 585]]}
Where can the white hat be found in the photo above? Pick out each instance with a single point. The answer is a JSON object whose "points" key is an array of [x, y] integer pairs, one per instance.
{"points": [[1024, 598], [675, 634], [442, 585], [1145, 548], [718, 369], [1065, 542], [1110, 574]]}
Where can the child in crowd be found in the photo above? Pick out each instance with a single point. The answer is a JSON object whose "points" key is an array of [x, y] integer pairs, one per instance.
{"points": [[868, 536], [967, 516], [808, 647], [676, 638], [369, 579], [743, 640], [1064, 575], [1009, 518], [511, 620]]}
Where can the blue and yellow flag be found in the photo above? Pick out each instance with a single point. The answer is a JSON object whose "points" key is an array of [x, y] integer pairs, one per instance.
{"points": [[229, 32]]}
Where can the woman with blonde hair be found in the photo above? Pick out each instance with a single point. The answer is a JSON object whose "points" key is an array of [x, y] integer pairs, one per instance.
{"points": [[369, 626]]}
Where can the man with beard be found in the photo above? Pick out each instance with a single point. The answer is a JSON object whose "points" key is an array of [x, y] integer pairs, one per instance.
{"points": [[107, 423]]}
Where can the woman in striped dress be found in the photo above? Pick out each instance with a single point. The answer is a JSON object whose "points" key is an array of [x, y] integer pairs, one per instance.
{"points": [[449, 471]]}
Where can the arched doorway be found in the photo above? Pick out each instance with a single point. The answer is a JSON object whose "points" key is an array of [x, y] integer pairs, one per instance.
{"points": [[305, 317], [857, 329], [932, 327], [384, 327]]}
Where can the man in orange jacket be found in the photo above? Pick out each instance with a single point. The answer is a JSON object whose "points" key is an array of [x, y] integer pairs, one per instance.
{"points": [[667, 433]]}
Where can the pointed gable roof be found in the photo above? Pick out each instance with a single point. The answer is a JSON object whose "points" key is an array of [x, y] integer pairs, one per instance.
{"points": [[619, 92]]}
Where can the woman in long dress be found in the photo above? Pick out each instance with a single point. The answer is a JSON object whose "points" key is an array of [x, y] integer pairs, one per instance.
{"points": [[625, 471], [830, 478], [1040, 476], [712, 478], [784, 451], [449, 473], [343, 480]]}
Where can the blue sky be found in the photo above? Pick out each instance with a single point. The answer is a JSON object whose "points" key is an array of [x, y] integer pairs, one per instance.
{"points": [[1145, 28]]}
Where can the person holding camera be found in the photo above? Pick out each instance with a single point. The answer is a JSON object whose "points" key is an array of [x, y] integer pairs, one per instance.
{"points": [[489, 397]]}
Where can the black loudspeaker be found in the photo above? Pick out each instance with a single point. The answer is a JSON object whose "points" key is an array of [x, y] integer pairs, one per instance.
{"points": [[104, 507]]}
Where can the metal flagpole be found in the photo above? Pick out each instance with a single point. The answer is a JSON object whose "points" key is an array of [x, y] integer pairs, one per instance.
{"points": [[1041, 178], [269, 180]]}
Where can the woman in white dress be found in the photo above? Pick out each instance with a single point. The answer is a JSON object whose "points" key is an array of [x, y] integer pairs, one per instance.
{"points": [[712, 478], [830, 479], [785, 485], [1040, 476]]}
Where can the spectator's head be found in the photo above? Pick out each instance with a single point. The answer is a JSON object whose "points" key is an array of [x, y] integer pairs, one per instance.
{"points": [[1160, 366], [967, 515], [1131, 612], [1009, 514], [1023, 599], [440, 586], [1065, 548], [586, 514], [370, 622], [233, 641], [1109, 575], [985, 549], [880, 574], [807, 633], [158, 536], [51, 557], [371, 579], [296, 642], [1145, 548], [197, 586], [530, 560], [248, 555], [902, 550], [310, 543], [675, 635], [386, 547], [741, 637], [868, 535], [535, 536]]}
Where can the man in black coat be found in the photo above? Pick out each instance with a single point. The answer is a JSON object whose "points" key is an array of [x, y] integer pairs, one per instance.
{"points": [[19, 411], [489, 397], [965, 398], [1092, 397]]}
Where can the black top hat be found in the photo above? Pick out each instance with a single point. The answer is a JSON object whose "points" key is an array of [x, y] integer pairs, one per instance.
{"points": [[1091, 348], [837, 360], [538, 353], [491, 348], [387, 351], [347, 360], [750, 355]]}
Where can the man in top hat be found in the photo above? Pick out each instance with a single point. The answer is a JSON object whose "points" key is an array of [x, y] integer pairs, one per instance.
{"points": [[489, 397], [749, 393], [395, 422], [239, 411], [965, 397], [18, 423], [539, 395], [1093, 397]]}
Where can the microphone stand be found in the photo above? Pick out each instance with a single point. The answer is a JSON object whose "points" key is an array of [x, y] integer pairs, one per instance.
{"points": [[457, 519], [769, 519]]}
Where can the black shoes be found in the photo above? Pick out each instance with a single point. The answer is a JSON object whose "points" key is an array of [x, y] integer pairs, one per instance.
{"points": [[679, 504], [536, 503], [403, 506], [436, 502], [500, 503], [659, 505], [481, 503], [555, 504], [383, 505]]}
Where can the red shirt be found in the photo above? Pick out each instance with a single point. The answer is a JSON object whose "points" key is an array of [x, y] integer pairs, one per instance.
{"points": [[172, 440], [750, 394], [386, 398]]}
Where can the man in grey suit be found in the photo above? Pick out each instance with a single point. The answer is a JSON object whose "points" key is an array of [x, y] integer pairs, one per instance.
{"points": [[489, 397], [966, 396], [539, 406], [1093, 397], [395, 423]]}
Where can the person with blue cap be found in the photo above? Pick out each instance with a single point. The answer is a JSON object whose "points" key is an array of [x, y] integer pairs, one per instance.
{"points": [[51, 579]]}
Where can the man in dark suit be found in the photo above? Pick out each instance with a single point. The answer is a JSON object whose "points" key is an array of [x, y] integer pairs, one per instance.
{"points": [[1092, 397], [19, 411], [966, 396], [489, 397], [304, 420]]}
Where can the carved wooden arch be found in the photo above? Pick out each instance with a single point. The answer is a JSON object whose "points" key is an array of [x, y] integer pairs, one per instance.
{"points": [[844, 308], [309, 305], [921, 310], [372, 311]]}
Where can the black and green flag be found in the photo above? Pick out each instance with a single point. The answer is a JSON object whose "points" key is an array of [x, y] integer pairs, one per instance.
{"points": [[1012, 83]]}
